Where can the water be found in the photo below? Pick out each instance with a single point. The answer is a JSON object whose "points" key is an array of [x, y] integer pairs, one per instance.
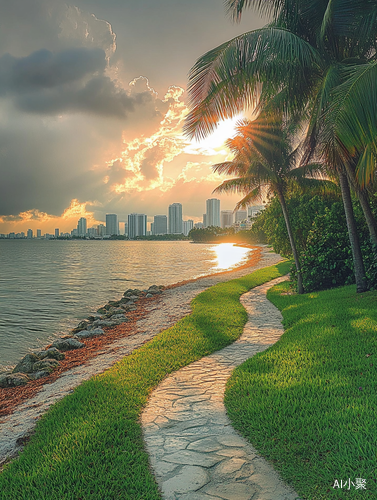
{"points": [[46, 286]]}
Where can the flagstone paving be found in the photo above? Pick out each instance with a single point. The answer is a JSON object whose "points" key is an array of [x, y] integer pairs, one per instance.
{"points": [[194, 451]]}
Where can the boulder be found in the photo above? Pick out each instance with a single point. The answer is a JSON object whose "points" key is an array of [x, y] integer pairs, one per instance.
{"points": [[38, 375], [51, 353], [26, 364], [4, 378], [67, 344], [113, 303], [118, 310], [46, 364], [149, 295], [84, 334], [13, 379], [102, 310], [93, 318]]}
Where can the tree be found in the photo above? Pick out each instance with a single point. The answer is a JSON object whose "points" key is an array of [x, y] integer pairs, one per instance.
{"points": [[265, 163], [298, 64]]}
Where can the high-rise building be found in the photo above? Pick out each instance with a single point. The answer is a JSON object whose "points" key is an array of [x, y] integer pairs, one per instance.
{"points": [[126, 228], [101, 229], [56, 233], [226, 218], [198, 225], [112, 226], [255, 210], [137, 225], [187, 226], [160, 224], [204, 220], [39, 233], [240, 215], [92, 232], [175, 219], [213, 212], [29, 233], [81, 227]]}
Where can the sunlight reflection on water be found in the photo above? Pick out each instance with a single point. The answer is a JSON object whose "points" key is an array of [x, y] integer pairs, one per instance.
{"points": [[228, 255]]}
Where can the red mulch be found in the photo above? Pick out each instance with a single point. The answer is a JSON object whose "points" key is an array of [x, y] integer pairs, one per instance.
{"points": [[10, 398]]}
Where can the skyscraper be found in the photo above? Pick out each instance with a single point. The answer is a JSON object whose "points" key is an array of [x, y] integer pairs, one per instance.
{"points": [[226, 217], [187, 226], [29, 234], [101, 229], [39, 233], [56, 233], [175, 219], [160, 224], [213, 212], [112, 224], [240, 215], [81, 227], [137, 225]]}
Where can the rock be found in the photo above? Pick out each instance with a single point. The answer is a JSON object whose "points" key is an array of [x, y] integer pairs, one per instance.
{"points": [[4, 378], [84, 334], [102, 310], [38, 375], [118, 310], [13, 379], [93, 318], [67, 344], [83, 324], [149, 295], [124, 300], [51, 353], [47, 365], [154, 289], [26, 364], [113, 303]]}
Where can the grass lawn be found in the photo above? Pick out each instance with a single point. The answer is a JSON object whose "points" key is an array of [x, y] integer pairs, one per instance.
{"points": [[89, 445], [309, 402]]}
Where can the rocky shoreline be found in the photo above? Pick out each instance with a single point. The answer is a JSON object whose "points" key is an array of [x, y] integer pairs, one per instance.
{"points": [[39, 364]]}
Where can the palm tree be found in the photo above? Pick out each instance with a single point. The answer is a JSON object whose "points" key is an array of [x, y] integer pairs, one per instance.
{"points": [[265, 163], [295, 64]]}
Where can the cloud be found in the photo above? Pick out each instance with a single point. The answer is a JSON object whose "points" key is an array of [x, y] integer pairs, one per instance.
{"points": [[43, 69]]}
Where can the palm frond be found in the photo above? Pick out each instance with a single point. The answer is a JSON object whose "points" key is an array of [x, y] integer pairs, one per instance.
{"points": [[228, 79]]}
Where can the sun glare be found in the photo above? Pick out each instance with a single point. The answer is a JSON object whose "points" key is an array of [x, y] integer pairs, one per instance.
{"points": [[228, 255], [225, 130]]}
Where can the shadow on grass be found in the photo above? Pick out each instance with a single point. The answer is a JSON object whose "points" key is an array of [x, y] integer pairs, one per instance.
{"points": [[308, 403]]}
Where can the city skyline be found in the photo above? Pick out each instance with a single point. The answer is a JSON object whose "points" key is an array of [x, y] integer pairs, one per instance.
{"points": [[137, 224], [92, 125]]}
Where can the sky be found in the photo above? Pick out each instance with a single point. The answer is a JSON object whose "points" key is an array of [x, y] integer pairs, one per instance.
{"points": [[92, 102]]}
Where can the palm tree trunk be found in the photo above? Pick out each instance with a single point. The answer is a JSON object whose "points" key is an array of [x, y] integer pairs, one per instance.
{"points": [[361, 281], [369, 217], [300, 287], [363, 197]]}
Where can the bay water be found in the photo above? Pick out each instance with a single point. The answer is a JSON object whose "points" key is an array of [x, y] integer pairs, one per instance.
{"points": [[47, 286]]}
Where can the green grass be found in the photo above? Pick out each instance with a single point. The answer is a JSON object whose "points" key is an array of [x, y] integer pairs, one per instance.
{"points": [[89, 445], [308, 403]]}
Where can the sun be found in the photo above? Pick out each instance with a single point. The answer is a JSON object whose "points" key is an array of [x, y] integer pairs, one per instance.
{"points": [[225, 130]]}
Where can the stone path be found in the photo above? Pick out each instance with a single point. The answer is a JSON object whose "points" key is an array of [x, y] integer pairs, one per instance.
{"points": [[173, 305], [194, 451]]}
